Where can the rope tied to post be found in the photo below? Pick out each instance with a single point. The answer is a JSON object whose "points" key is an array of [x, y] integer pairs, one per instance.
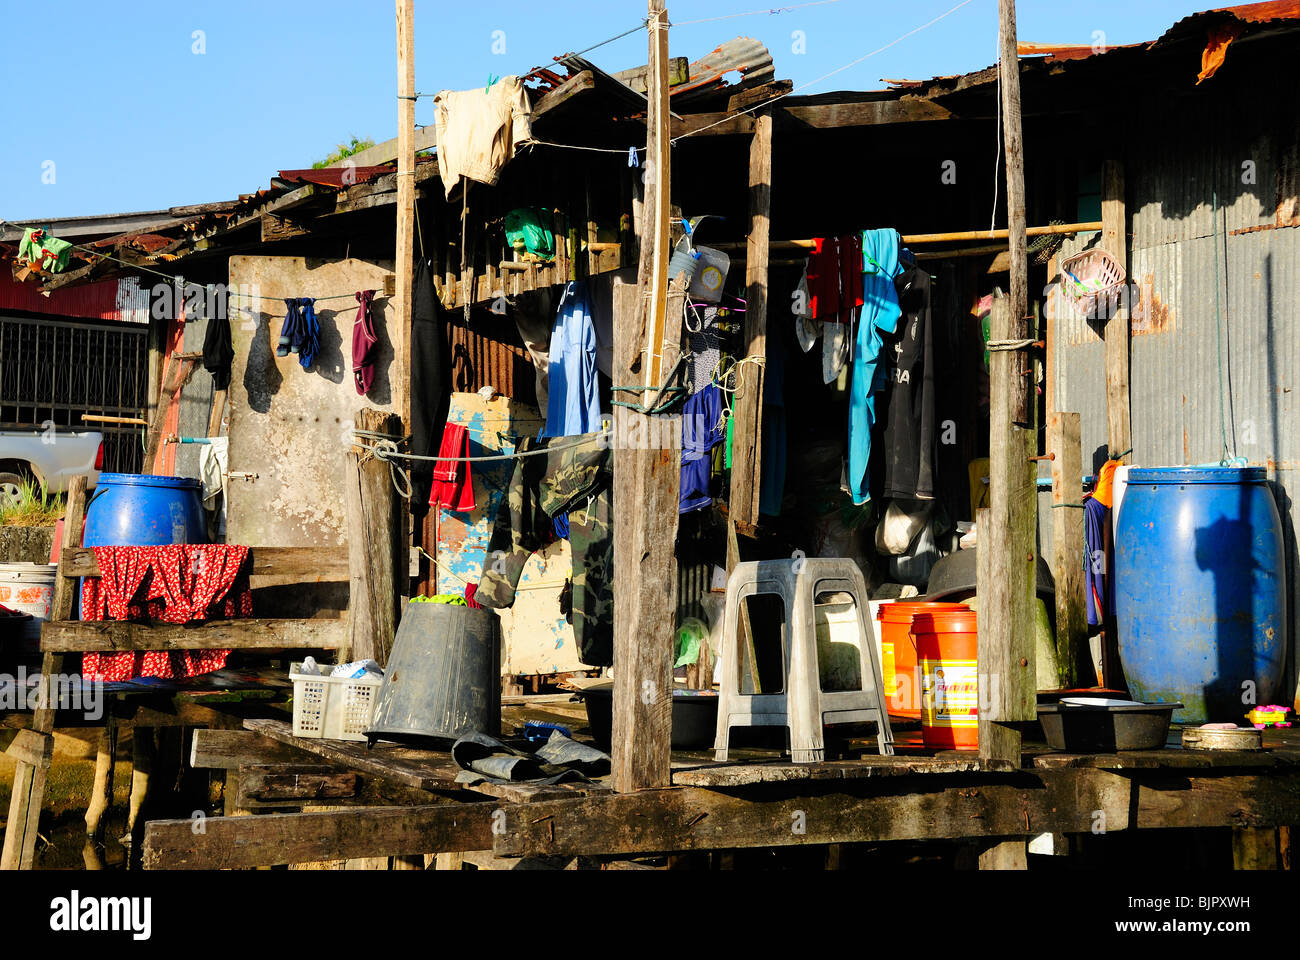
{"points": [[994, 346]]}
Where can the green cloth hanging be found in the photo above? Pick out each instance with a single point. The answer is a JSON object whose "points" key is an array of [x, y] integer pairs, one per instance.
{"points": [[51, 252]]}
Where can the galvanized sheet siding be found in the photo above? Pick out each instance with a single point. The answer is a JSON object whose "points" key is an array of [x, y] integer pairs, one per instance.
{"points": [[1180, 414]]}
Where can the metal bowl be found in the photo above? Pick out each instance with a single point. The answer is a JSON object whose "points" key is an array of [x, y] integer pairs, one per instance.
{"points": [[1242, 738]]}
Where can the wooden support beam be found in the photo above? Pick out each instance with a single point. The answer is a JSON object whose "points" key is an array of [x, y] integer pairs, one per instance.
{"points": [[1004, 855], [747, 433], [32, 748], [578, 83], [303, 564], [405, 250], [1114, 240], [277, 838], [376, 544], [217, 412], [407, 766], [231, 749], [647, 473], [1008, 808], [1255, 849], [316, 786], [179, 371], [667, 821], [101, 792], [1022, 384], [863, 113], [1006, 588], [304, 783], [28, 793], [112, 636], [1067, 544]]}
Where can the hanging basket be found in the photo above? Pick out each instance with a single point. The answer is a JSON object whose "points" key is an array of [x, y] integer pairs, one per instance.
{"points": [[1091, 279]]}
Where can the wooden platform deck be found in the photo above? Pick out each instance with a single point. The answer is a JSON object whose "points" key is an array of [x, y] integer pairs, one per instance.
{"points": [[755, 800]]}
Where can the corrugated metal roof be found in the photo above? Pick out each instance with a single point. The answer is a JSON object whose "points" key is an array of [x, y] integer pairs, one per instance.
{"points": [[118, 299], [338, 177]]}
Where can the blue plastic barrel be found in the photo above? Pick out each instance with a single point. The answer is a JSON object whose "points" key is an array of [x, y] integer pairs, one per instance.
{"points": [[1200, 590], [137, 510]]}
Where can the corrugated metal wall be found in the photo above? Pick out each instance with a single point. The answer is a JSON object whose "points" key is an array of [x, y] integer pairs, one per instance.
{"points": [[1205, 377]]}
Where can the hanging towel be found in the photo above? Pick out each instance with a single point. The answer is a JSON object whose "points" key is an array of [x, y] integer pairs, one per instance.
{"points": [[363, 343], [300, 332], [573, 404], [453, 486], [880, 313]]}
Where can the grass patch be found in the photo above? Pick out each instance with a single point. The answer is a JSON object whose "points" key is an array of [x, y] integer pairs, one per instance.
{"points": [[33, 507]]}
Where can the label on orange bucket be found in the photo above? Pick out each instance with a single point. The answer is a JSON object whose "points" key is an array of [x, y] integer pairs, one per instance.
{"points": [[949, 693]]}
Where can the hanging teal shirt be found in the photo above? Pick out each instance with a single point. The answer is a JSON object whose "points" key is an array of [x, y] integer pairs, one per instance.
{"points": [[880, 313]]}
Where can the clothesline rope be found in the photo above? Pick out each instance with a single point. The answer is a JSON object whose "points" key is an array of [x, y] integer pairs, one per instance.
{"points": [[381, 451], [771, 11]]}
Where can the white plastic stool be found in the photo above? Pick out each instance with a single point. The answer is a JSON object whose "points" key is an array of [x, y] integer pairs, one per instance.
{"points": [[843, 688]]}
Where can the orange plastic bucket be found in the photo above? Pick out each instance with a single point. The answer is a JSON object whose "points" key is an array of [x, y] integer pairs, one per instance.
{"points": [[899, 664], [946, 649]]}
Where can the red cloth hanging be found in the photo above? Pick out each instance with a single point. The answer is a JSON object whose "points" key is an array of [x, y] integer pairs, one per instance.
{"points": [[835, 278], [453, 486], [173, 583]]}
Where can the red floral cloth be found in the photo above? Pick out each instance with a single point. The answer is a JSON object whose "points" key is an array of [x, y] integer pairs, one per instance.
{"points": [[175, 584]]}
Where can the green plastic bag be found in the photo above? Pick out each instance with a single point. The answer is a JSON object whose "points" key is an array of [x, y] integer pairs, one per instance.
{"points": [[526, 227]]}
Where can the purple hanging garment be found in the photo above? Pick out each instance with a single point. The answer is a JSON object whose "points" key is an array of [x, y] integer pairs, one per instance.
{"points": [[363, 344]]}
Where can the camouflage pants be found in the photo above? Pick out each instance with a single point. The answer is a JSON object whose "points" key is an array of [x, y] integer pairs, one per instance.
{"points": [[576, 479]]}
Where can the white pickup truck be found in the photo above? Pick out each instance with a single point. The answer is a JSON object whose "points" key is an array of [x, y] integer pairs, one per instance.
{"points": [[48, 458]]}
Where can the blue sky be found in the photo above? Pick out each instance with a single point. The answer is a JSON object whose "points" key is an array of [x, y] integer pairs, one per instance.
{"points": [[116, 97]]}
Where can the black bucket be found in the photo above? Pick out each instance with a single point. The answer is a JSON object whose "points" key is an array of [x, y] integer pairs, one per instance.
{"points": [[443, 678]]}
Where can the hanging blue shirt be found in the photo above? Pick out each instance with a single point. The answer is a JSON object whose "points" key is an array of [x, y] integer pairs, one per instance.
{"points": [[573, 406], [880, 313]]}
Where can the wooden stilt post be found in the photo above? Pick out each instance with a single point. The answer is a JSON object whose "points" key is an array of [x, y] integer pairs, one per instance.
{"points": [[404, 265], [1119, 436], [405, 251], [647, 472], [1067, 544], [1114, 240], [101, 794], [1007, 533], [746, 455], [34, 748], [377, 559]]}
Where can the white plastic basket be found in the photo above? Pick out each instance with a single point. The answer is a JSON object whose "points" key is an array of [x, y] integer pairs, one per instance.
{"points": [[332, 708]]}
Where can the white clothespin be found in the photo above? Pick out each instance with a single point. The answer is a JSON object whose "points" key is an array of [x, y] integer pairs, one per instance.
{"points": [[631, 157]]}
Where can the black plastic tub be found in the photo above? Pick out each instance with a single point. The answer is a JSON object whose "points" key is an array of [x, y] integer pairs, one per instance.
{"points": [[695, 718], [1106, 727]]}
